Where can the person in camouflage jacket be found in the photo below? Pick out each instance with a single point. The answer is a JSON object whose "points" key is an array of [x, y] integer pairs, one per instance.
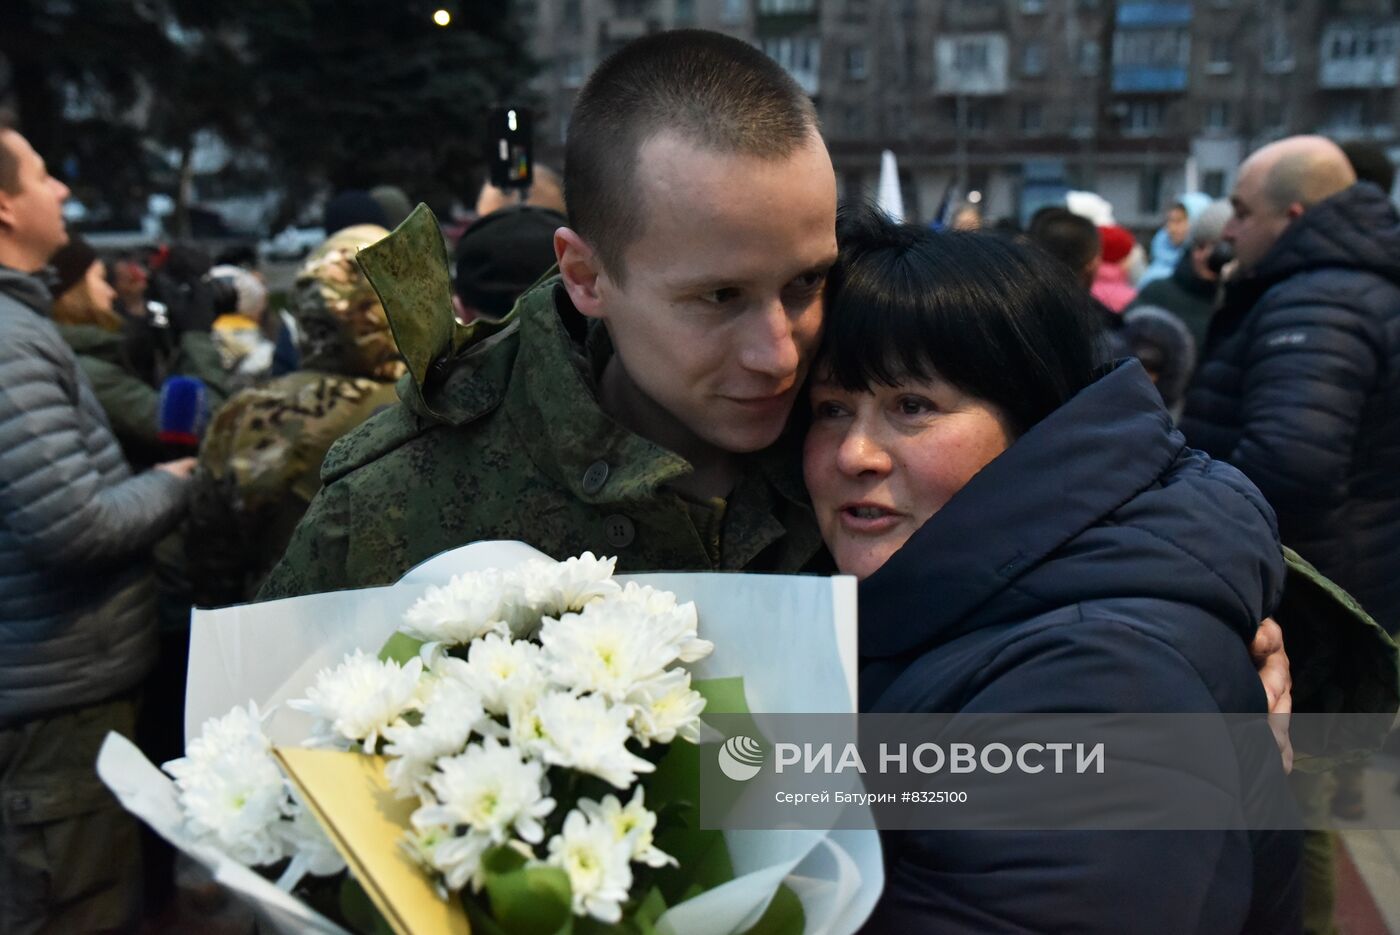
{"points": [[261, 459]]}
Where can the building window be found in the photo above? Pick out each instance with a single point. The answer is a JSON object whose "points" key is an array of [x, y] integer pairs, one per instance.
{"points": [[1033, 59], [971, 55], [734, 11], [855, 62], [1221, 58], [1275, 115], [801, 56], [1213, 183], [685, 12], [1032, 118], [1082, 122], [975, 117], [1218, 116], [1031, 7], [1144, 118], [780, 7], [1150, 192], [630, 9], [1088, 57], [855, 121], [571, 16]]}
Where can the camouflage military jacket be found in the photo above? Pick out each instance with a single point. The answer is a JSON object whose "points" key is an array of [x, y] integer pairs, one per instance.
{"points": [[259, 469], [506, 440]]}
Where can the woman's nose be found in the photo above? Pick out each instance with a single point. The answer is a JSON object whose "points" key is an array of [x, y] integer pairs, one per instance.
{"points": [[861, 452]]}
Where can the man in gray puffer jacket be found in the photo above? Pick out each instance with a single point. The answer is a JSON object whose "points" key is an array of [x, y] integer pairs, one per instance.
{"points": [[77, 601]]}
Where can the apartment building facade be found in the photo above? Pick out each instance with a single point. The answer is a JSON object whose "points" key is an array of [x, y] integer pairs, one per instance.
{"points": [[1018, 100]]}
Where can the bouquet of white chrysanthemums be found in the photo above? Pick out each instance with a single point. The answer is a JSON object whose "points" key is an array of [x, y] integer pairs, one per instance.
{"points": [[536, 722], [518, 725]]}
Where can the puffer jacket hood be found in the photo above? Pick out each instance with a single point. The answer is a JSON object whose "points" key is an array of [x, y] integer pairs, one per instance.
{"points": [[25, 289]]}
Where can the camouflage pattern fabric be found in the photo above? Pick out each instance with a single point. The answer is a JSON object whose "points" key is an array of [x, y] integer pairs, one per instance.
{"points": [[259, 469], [506, 440], [343, 326], [261, 459]]}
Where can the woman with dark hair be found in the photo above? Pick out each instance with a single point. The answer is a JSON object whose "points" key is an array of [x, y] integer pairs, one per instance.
{"points": [[1033, 537]]}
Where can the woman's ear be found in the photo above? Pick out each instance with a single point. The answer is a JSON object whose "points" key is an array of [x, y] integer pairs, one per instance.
{"points": [[580, 270]]}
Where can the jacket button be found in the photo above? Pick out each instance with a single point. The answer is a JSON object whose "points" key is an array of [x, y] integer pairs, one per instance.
{"points": [[619, 531], [595, 477]]}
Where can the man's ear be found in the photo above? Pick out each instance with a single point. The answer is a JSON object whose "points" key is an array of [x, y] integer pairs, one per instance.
{"points": [[580, 270], [7, 214], [1295, 211]]}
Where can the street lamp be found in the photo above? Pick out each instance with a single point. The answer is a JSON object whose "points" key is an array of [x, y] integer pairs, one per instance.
{"points": [[442, 18]]}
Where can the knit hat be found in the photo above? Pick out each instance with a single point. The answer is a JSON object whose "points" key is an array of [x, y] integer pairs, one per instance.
{"points": [[501, 255], [1209, 225], [252, 293], [351, 208], [72, 263], [1116, 243]]}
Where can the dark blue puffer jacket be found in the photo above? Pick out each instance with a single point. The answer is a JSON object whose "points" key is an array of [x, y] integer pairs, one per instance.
{"points": [[1299, 388], [1097, 565]]}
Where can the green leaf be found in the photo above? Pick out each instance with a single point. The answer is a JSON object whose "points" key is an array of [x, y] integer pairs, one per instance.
{"points": [[501, 860], [651, 908], [531, 901], [400, 648], [784, 915], [358, 910]]}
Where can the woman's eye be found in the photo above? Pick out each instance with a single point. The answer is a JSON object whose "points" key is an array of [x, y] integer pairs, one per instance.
{"points": [[827, 410], [915, 405]]}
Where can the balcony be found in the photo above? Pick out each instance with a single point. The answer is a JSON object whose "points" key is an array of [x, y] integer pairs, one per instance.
{"points": [[972, 64], [1153, 15], [1359, 55], [1149, 79]]}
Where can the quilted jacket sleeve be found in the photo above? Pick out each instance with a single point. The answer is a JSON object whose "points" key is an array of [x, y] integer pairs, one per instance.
{"points": [[1310, 364], [53, 495]]}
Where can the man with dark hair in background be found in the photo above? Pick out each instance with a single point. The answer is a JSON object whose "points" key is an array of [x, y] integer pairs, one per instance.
{"points": [[1371, 164], [1069, 238], [702, 206], [77, 599]]}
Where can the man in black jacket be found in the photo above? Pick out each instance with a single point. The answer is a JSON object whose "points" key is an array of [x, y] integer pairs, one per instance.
{"points": [[1299, 384], [1299, 387]]}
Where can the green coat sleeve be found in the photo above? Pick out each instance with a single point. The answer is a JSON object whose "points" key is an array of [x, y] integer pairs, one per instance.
{"points": [[199, 357], [132, 406], [315, 559]]}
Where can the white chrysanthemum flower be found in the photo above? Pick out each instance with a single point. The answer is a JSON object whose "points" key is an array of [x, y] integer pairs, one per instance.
{"points": [[468, 607], [607, 648], [666, 707], [456, 856], [308, 844], [597, 864], [504, 672], [230, 789], [634, 823], [490, 788], [555, 588], [359, 699], [452, 711], [581, 733], [675, 623]]}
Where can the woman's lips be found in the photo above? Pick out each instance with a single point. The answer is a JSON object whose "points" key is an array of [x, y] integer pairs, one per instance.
{"points": [[868, 518]]}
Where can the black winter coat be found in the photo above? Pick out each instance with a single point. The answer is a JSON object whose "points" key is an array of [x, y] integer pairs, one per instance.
{"points": [[1299, 388], [1097, 565]]}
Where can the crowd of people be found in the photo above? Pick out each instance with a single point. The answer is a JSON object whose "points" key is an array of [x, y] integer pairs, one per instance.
{"points": [[1062, 467]]}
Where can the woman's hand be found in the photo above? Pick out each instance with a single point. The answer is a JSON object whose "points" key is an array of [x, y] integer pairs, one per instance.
{"points": [[1272, 663]]}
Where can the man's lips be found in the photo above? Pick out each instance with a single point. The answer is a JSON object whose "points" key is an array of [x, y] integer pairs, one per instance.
{"points": [[763, 403], [867, 518]]}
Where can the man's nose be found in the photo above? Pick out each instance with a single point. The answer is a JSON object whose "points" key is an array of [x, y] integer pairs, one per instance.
{"points": [[771, 347]]}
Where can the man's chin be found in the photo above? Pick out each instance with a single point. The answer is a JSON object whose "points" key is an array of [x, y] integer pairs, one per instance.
{"points": [[747, 439]]}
